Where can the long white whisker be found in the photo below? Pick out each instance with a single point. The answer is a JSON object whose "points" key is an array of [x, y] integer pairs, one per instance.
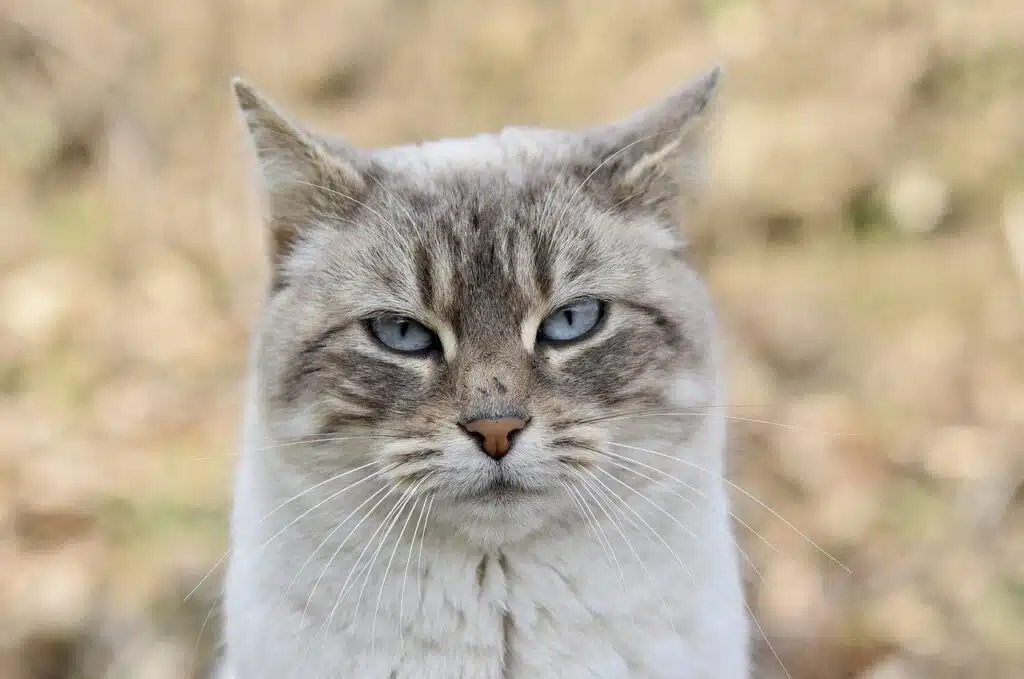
{"points": [[579, 507], [682, 497], [686, 569], [391, 520], [400, 203], [390, 489], [629, 545], [206, 577], [314, 487], [745, 492], [419, 556], [698, 411], [405, 574], [678, 523], [199, 639], [387, 569], [327, 624], [618, 566], [326, 439], [327, 537], [278, 508], [636, 555], [325, 501], [592, 522]]}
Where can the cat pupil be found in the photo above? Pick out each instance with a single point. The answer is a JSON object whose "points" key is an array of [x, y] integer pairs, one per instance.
{"points": [[568, 316]]}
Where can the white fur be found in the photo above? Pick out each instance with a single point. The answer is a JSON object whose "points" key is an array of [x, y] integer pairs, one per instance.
{"points": [[575, 615]]}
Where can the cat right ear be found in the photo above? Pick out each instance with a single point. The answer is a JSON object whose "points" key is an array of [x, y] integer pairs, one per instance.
{"points": [[302, 180]]}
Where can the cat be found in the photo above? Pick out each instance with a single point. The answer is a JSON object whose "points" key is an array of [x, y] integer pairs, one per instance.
{"points": [[484, 435]]}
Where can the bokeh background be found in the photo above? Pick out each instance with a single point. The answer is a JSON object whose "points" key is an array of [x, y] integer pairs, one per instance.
{"points": [[863, 234]]}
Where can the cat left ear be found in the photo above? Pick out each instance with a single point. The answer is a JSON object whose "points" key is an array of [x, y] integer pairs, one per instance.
{"points": [[656, 159], [302, 178]]}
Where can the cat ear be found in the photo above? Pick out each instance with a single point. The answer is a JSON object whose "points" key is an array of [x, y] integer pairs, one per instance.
{"points": [[655, 160], [302, 179]]}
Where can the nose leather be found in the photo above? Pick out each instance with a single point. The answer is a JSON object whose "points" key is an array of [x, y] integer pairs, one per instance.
{"points": [[495, 437]]}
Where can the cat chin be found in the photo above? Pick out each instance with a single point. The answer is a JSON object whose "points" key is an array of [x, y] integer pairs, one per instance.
{"points": [[491, 523]]}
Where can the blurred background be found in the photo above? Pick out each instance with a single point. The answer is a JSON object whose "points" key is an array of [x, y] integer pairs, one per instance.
{"points": [[863, 235]]}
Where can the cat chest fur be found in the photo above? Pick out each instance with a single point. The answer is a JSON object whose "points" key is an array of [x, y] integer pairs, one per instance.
{"points": [[558, 607]]}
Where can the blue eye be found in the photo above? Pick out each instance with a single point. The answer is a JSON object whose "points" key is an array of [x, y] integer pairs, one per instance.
{"points": [[402, 333], [572, 322]]}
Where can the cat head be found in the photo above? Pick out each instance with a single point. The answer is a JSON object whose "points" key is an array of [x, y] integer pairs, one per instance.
{"points": [[481, 316]]}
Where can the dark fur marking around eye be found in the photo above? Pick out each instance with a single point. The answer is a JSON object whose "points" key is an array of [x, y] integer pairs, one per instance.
{"points": [[673, 335], [608, 370], [372, 386], [306, 363]]}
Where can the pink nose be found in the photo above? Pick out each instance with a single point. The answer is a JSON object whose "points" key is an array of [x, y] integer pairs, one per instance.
{"points": [[495, 437]]}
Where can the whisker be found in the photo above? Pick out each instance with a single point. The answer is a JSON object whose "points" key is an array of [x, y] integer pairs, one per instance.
{"points": [[618, 566], [744, 492], [677, 522], [326, 626], [579, 507], [767, 641], [327, 537], [690, 487], [314, 487], [735, 517], [391, 488], [419, 557], [387, 569], [206, 577], [309, 440], [286, 502], [696, 412], [405, 574], [642, 520], [390, 520], [199, 639], [375, 474], [591, 522], [629, 545]]}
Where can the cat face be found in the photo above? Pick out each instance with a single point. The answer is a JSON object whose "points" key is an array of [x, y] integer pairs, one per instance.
{"points": [[482, 316]]}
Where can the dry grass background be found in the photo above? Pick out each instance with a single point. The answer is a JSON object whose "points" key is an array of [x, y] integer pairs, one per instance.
{"points": [[864, 235]]}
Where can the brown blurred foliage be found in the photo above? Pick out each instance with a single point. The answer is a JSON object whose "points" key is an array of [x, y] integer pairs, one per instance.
{"points": [[864, 235]]}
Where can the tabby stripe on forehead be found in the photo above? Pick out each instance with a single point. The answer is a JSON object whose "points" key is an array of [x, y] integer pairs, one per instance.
{"points": [[424, 278], [542, 261], [511, 241]]}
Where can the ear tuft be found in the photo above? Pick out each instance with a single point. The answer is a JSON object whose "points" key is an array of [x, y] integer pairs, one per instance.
{"points": [[247, 97], [302, 179], [655, 159]]}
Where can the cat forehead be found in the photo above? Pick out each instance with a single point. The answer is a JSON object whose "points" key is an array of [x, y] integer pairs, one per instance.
{"points": [[514, 153]]}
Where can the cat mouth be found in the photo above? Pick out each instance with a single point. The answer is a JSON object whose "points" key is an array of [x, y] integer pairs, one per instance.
{"points": [[504, 489]]}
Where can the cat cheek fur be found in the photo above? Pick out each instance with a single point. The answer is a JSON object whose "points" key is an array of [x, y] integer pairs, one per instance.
{"points": [[362, 546]]}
